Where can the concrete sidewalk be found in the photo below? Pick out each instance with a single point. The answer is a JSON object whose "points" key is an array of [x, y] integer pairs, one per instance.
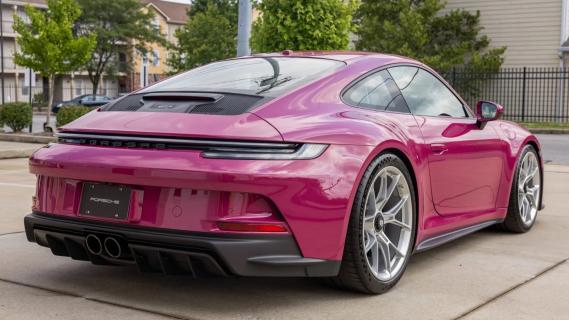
{"points": [[10, 150]]}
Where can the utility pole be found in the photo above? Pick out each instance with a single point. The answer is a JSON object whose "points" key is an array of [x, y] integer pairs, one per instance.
{"points": [[244, 28], [2, 48], [30, 94]]}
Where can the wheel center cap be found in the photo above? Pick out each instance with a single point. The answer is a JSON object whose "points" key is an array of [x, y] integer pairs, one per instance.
{"points": [[379, 223]]}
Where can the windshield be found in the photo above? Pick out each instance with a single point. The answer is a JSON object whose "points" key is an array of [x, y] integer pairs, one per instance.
{"points": [[270, 76]]}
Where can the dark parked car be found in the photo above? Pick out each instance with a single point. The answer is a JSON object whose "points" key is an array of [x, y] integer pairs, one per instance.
{"points": [[87, 100]]}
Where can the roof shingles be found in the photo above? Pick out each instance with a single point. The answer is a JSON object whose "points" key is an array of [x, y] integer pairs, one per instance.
{"points": [[174, 12]]}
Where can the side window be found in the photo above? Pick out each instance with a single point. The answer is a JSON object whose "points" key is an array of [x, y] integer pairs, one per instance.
{"points": [[425, 94], [377, 91]]}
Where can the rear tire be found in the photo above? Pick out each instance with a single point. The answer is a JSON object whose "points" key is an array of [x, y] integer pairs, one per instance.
{"points": [[525, 195], [381, 231]]}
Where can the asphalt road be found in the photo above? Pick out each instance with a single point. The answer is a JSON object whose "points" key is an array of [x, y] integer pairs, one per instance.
{"points": [[487, 275], [555, 148]]}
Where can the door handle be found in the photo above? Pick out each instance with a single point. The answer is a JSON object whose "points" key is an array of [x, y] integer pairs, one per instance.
{"points": [[439, 148]]}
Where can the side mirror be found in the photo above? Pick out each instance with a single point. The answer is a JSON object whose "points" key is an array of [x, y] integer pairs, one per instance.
{"points": [[487, 111]]}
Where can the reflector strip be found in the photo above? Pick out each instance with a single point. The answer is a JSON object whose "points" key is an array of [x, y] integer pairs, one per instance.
{"points": [[250, 227]]}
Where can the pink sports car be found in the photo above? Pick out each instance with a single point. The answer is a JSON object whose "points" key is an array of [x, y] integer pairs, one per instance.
{"points": [[314, 164]]}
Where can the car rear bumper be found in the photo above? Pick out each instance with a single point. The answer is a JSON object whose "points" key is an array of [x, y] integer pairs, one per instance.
{"points": [[181, 190], [175, 252]]}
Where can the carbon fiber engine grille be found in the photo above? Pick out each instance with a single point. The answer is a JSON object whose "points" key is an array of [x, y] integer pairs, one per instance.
{"points": [[221, 104]]}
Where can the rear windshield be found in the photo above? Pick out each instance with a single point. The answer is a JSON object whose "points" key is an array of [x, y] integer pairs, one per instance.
{"points": [[266, 76]]}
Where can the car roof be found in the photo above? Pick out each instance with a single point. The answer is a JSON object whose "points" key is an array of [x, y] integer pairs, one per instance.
{"points": [[340, 55], [89, 95]]}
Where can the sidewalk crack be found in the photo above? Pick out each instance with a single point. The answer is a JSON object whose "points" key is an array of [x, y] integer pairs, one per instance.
{"points": [[517, 286], [9, 233], [97, 300]]}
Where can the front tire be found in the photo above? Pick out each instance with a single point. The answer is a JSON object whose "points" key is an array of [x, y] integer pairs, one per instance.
{"points": [[381, 231], [525, 195]]}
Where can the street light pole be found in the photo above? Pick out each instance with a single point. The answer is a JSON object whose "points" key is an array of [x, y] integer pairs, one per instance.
{"points": [[244, 28], [2, 48]]}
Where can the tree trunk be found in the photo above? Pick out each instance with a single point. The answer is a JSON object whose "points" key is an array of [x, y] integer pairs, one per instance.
{"points": [[16, 87], [96, 80], [50, 99]]}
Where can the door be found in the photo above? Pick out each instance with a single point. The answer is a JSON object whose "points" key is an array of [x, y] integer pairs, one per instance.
{"points": [[465, 162]]}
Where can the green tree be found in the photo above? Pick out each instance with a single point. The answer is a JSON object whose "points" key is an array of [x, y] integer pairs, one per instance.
{"points": [[48, 44], [302, 25], [417, 29], [121, 26], [226, 7], [209, 35]]}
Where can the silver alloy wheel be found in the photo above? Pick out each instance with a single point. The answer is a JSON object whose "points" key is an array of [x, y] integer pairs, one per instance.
{"points": [[529, 180], [387, 223]]}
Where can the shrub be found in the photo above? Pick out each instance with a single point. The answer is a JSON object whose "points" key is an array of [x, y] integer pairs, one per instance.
{"points": [[69, 113], [16, 116], [39, 101]]}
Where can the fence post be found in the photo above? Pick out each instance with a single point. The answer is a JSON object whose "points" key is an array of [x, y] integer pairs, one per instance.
{"points": [[524, 94], [30, 98], [561, 100]]}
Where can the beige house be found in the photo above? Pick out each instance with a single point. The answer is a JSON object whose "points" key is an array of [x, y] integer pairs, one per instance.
{"points": [[533, 31], [14, 87], [150, 68], [169, 16]]}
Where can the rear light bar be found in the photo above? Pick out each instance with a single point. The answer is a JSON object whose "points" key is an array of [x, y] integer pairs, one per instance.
{"points": [[217, 149], [250, 227], [304, 152]]}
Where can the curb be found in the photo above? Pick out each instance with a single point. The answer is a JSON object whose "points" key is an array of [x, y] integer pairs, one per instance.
{"points": [[13, 154], [548, 131], [26, 138]]}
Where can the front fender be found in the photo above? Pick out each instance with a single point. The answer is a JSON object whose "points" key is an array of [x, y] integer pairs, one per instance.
{"points": [[514, 138]]}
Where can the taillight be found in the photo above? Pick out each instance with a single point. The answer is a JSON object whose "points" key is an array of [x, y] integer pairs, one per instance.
{"points": [[302, 152], [250, 227]]}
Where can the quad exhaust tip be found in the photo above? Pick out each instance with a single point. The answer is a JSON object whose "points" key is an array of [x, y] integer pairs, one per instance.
{"points": [[112, 248], [94, 244]]}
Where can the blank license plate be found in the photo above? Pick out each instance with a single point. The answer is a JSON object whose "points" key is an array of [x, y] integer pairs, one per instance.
{"points": [[105, 201]]}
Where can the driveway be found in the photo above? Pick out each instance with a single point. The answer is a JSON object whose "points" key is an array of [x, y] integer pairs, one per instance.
{"points": [[487, 275]]}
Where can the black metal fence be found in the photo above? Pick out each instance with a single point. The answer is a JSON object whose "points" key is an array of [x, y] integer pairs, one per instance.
{"points": [[527, 94]]}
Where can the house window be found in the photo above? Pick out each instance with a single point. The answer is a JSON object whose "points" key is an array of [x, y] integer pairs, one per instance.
{"points": [[22, 14], [155, 24], [25, 87], [78, 83], [107, 87], [144, 58], [122, 62], [155, 57]]}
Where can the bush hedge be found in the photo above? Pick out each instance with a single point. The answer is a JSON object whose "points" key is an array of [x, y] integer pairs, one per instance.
{"points": [[39, 101], [67, 114], [17, 115]]}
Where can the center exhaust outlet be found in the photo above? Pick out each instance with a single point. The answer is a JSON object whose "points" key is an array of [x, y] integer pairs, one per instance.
{"points": [[113, 247], [93, 244]]}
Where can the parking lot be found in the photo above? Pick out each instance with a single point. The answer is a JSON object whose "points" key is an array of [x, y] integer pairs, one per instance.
{"points": [[487, 275]]}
